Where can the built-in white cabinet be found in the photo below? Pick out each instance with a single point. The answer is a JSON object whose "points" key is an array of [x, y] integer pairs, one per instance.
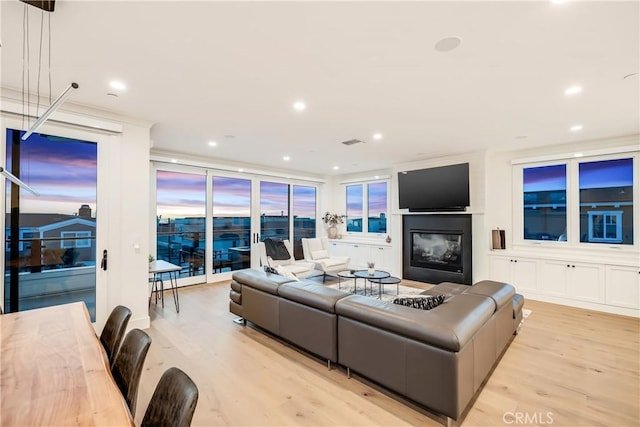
{"points": [[571, 279], [622, 286], [514, 270], [361, 253], [584, 284]]}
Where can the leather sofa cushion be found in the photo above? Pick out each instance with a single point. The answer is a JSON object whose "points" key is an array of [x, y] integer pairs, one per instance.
{"points": [[258, 279], [501, 293], [312, 294], [449, 326], [446, 288], [236, 286], [518, 304], [235, 296]]}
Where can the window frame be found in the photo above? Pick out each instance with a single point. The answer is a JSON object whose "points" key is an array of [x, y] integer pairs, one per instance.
{"points": [[75, 243], [573, 203], [365, 207]]}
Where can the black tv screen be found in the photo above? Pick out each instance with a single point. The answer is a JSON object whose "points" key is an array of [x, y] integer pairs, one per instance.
{"points": [[444, 188]]}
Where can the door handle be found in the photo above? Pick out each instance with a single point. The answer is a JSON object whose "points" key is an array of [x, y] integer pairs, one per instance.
{"points": [[103, 263]]}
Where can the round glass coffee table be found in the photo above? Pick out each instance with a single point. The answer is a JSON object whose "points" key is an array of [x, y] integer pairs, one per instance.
{"points": [[347, 274], [375, 277]]}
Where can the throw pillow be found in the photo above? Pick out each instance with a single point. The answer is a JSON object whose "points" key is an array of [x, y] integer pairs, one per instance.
{"points": [[319, 254], [423, 303], [276, 249], [284, 272], [270, 270]]}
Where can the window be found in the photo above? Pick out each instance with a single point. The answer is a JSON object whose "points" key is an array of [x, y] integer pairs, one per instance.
{"points": [[354, 208], [606, 201], [73, 239], [377, 207], [582, 200], [373, 196], [545, 202], [605, 227]]}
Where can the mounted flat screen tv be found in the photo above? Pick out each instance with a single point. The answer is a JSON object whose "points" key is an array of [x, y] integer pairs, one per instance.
{"points": [[444, 188]]}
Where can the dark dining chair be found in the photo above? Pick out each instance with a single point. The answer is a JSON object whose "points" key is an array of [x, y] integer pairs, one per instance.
{"points": [[173, 402], [127, 367], [113, 331]]}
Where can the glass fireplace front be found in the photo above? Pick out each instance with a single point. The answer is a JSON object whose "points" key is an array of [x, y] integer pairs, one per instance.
{"points": [[439, 250]]}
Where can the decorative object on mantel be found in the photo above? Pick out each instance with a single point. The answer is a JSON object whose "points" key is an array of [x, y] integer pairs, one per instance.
{"points": [[388, 239], [371, 268], [332, 219]]}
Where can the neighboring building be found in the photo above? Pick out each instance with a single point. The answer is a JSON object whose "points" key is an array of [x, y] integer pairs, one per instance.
{"points": [[48, 241]]}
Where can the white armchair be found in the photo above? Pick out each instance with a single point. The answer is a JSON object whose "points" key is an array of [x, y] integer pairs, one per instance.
{"points": [[317, 251], [299, 268]]}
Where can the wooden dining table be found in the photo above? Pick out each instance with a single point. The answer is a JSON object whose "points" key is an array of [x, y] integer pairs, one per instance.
{"points": [[54, 371]]}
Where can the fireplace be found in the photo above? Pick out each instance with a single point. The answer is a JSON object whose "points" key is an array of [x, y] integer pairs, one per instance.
{"points": [[437, 248]]}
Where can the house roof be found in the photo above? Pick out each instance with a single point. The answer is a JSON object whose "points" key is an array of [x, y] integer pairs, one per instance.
{"points": [[38, 220]]}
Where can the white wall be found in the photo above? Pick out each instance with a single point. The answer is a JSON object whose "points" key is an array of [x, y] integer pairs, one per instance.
{"points": [[128, 225]]}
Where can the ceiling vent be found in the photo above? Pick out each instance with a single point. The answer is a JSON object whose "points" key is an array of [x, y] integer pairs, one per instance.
{"points": [[352, 142]]}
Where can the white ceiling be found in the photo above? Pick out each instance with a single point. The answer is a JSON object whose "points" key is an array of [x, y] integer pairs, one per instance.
{"points": [[203, 70]]}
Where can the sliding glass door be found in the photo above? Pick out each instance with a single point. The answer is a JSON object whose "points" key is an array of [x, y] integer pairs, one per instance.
{"points": [[274, 210], [231, 224], [50, 238], [304, 216], [180, 221], [209, 222]]}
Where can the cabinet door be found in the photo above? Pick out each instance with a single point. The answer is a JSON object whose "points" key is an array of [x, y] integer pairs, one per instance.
{"points": [[381, 256], [339, 249], [500, 269], [587, 282], [524, 274], [622, 286], [554, 277], [360, 255]]}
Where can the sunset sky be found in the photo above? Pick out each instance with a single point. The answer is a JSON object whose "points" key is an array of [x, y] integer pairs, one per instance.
{"points": [[184, 195], [62, 170], [598, 174]]}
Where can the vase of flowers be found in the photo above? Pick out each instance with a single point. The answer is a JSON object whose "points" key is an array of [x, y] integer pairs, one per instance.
{"points": [[332, 220]]}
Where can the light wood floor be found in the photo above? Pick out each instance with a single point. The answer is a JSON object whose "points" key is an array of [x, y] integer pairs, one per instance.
{"points": [[567, 367]]}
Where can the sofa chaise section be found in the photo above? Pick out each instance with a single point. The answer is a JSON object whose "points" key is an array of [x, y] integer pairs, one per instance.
{"points": [[437, 358]]}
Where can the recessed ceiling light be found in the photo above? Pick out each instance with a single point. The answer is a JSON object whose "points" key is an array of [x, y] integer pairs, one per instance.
{"points": [[229, 136], [212, 143], [447, 44], [335, 168], [286, 158], [117, 85], [577, 155], [240, 170], [115, 95], [299, 106], [630, 75], [573, 90], [376, 177], [575, 128], [174, 161], [377, 136], [557, 1]]}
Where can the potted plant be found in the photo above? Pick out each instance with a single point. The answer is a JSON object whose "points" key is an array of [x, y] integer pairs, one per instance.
{"points": [[332, 219], [371, 268]]}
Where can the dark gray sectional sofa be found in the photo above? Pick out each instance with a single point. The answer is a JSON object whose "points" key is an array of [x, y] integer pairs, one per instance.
{"points": [[438, 358]]}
